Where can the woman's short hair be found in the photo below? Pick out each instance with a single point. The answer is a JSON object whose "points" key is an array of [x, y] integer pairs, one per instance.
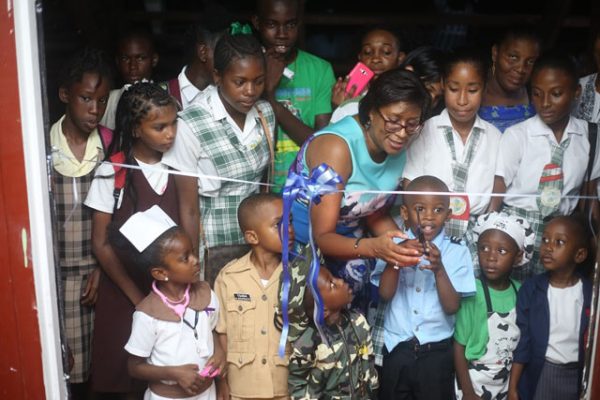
{"points": [[394, 86]]}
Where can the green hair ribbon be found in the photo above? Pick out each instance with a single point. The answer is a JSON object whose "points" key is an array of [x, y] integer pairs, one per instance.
{"points": [[238, 29]]}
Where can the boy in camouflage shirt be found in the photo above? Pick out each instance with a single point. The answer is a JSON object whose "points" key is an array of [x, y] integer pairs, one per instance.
{"points": [[341, 369]]}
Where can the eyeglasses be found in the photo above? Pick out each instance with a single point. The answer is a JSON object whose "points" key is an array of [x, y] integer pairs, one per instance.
{"points": [[410, 127]]}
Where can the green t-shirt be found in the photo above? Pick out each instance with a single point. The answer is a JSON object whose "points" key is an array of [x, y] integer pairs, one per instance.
{"points": [[471, 329], [306, 95]]}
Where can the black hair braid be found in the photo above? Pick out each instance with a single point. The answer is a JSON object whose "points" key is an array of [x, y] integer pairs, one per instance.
{"points": [[233, 47], [135, 103]]}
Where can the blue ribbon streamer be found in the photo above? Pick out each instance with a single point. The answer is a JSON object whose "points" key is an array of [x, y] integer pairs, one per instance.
{"points": [[322, 180]]}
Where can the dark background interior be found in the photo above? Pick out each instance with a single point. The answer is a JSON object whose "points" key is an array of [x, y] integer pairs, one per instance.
{"points": [[331, 29]]}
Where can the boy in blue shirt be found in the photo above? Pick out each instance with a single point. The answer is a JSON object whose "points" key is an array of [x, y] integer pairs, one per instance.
{"points": [[419, 319]]}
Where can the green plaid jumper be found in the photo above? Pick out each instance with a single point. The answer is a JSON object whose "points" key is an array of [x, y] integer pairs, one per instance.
{"points": [[231, 160]]}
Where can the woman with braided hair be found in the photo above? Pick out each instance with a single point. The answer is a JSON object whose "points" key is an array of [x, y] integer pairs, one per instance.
{"points": [[146, 122]]}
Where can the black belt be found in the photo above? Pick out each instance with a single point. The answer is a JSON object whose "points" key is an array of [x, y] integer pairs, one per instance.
{"points": [[417, 347], [571, 365]]}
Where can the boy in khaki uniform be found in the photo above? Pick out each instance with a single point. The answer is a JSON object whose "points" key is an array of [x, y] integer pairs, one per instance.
{"points": [[248, 290]]}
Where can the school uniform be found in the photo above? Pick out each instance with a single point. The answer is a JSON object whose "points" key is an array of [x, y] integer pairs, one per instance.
{"points": [[71, 181], [188, 93], [249, 305], [210, 143], [524, 150], [418, 355], [113, 308], [431, 154], [164, 339], [538, 320]]}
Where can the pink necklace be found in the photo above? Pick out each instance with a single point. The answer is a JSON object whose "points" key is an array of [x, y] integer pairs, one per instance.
{"points": [[178, 306]]}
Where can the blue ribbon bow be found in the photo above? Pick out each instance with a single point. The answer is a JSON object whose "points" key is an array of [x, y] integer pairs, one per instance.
{"points": [[323, 180]]}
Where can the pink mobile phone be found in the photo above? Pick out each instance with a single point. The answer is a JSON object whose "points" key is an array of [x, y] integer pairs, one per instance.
{"points": [[206, 372], [358, 78]]}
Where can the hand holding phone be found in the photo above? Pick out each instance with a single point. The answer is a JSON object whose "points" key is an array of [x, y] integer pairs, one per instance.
{"points": [[358, 79], [206, 372]]}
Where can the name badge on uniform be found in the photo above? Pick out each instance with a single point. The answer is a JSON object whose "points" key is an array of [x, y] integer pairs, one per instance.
{"points": [[241, 296], [461, 209]]}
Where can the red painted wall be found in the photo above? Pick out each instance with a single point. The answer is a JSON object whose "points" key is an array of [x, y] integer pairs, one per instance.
{"points": [[20, 351]]}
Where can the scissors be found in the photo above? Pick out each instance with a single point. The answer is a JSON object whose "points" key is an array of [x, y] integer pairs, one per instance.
{"points": [[421, 236]]}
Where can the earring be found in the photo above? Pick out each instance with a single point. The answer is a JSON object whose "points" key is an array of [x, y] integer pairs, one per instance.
{"points": [[166, 279], [493, 69]]}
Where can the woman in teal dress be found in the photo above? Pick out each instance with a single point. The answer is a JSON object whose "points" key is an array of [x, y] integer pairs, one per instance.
{"points": [[368, 151], [505, 100]]}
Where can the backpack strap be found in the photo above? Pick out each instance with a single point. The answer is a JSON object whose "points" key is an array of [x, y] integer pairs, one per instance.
{"points": [[106, 137], [593, 138], [269, 137], [174, 89], [120, 175]]}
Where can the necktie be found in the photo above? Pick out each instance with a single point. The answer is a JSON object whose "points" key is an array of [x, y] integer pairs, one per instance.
{"points": [[551, 181]]}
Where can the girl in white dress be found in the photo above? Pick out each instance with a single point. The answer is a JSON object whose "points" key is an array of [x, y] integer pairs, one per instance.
{"points": [[172, 342]]}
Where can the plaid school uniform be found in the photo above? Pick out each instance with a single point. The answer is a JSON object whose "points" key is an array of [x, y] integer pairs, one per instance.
{"points": [[76, 262], [232, 160], [551, 177]]}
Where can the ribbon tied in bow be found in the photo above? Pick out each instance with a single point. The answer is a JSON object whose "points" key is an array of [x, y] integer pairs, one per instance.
{"points": [[322, 180]]}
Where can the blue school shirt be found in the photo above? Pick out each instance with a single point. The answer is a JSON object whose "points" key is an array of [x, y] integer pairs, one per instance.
{"points": [[415, 309]]}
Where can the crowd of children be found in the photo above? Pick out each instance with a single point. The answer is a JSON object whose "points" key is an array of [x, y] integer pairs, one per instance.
{"points": [[478, 269]]}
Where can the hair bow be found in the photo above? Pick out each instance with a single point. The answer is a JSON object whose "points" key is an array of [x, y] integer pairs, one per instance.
{"points": [[238, 29]]}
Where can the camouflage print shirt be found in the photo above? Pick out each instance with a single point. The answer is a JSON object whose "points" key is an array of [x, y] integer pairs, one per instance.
{"points": [[342, 370]]}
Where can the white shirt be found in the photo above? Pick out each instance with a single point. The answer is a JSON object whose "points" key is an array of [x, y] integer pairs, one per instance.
{"points": [[565, 305], [100, 196], [189, 93], [429, 154], [348, 108], [187, 153], [524, 151], [167, 343]]}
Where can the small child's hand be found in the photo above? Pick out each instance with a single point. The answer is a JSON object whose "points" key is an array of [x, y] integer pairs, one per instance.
{"points": [[217, 362], [189, 379], [434, 258], [90, 293]]}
